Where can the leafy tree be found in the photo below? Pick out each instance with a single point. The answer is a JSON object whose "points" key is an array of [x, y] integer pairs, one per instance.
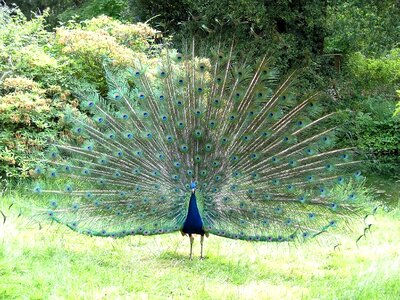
{"points": [[369, 27], [298, 26]]}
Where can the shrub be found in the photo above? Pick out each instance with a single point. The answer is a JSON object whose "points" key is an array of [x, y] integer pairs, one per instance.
{"points": [[397, 111], [31, 117], [380, 74], [374, 130], [92, 8], [87, 44], [25, 46], [38, 68]]}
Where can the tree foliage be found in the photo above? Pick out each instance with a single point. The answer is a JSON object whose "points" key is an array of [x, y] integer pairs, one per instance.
{"points": [[298, 27], [376, 75], [369, 27]]}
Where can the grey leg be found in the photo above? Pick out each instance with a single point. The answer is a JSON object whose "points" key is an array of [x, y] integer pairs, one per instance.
{"points": [[201, 243], [191, 246]]}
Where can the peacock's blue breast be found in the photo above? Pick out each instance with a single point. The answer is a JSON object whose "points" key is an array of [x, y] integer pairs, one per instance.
{"points": [[193, 223]]}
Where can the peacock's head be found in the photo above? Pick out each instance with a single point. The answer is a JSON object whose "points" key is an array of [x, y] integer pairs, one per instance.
{"points": [[193, 186]]}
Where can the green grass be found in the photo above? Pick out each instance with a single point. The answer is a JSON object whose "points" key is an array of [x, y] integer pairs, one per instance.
{"points": [[56, 263]]}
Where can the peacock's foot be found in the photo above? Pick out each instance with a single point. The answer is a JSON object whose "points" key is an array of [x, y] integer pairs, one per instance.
{"points": [[202, 257]]}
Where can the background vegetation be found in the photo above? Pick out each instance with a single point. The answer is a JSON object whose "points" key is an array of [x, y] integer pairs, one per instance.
{"points": [[38, 70], [349, 48]]}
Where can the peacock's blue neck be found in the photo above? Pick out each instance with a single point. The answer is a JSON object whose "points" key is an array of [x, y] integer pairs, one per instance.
{"points": [[193, 222]]}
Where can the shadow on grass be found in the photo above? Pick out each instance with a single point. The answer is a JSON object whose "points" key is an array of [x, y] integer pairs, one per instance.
{"points": [[214, 267]]}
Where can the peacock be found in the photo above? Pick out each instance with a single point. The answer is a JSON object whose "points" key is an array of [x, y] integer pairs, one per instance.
{"points": [[202, 145]]}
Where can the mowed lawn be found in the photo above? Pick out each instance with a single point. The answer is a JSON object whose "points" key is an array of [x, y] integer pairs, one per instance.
{"points": [[56, 263]]}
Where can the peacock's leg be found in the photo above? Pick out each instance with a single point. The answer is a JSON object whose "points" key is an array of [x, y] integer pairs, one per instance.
{"points": [[201, 249], [191, 246]]}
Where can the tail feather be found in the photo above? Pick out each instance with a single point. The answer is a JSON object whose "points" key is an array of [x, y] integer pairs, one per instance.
{"points": [[262, 154]]}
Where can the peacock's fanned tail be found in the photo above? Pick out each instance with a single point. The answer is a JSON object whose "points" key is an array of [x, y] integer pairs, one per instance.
{"points": [[262, 155]]}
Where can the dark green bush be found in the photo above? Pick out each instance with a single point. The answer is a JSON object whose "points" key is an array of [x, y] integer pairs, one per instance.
{"points": [[65, 10], [92, 8], [374, 130], [378, 134], [295, 27]]}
